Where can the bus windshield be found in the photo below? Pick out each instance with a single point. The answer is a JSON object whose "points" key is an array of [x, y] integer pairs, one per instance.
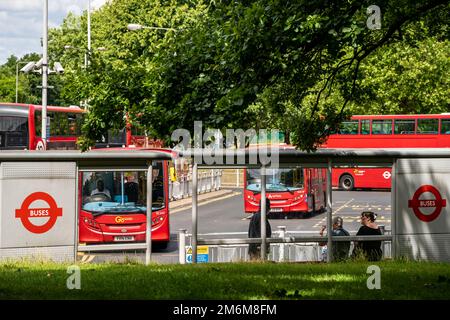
{"points": [[277, 180], [121, 191]]}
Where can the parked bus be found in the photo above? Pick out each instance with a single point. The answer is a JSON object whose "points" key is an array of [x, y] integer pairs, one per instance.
{"points": [[128, 137], [383, 132], [20, 126], [292, 192], [113, 206]]}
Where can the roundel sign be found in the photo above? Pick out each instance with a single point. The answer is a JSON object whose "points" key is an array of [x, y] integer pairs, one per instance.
{"points": [[437, 203], [25, 213], [40, 145], [386, 175]]}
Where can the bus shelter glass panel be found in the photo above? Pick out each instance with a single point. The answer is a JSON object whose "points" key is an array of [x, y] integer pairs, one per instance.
{"points": [[121, 191], [294, 192]]}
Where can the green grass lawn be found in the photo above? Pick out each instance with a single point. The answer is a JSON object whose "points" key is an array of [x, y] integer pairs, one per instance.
{"points": [[399, 280]]}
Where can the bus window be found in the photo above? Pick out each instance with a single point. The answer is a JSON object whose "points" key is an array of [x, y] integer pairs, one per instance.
{"points": [[121, 192], [62, 124], [402, 126], [381, 126], [349, 127], [13, 132], [277, 180], [445, 126], [427, 126], [365, 126]]}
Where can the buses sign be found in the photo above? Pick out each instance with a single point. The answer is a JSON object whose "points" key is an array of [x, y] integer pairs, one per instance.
{"points": [[25, 213], [437, 203]]}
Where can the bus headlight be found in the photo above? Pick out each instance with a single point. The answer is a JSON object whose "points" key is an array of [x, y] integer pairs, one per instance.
{"points": [[91, 223]]}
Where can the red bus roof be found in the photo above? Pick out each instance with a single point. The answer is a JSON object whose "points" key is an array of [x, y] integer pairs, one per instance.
{"points": [[402, 116], [74, 109]]}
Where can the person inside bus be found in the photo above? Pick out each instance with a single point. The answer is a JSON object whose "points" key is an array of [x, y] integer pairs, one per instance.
{"points": [[131, 189], [254, 231], [370, 250], [340, 249], [101, 189]]}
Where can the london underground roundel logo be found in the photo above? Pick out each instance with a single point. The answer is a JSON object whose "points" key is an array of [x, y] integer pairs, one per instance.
{"points": [[25, 213], [437, 203]]}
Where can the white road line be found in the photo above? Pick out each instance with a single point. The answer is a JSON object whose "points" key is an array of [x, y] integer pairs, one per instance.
{"points": [[321, 222]]}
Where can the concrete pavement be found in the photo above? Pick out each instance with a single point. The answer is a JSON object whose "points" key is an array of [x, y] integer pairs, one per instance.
{"points": [[185, 203]]}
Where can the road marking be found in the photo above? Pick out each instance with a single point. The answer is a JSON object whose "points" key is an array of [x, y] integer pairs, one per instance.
{"points": [[321, 222], [87, 258], [206, 202]]}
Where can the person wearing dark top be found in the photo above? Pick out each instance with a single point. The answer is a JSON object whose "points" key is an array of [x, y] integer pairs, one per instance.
{"points": [[340, 249], [254, 231], [370, 249], [131, 189]]}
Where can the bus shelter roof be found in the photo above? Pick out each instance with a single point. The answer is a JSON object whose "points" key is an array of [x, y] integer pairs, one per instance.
{"points": [[285, 156], [104, 158]]}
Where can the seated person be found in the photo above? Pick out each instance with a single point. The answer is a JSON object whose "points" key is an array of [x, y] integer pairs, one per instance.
{"points": [[131, 189], [101, 189]]}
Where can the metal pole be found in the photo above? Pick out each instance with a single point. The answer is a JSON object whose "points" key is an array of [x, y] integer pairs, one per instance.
{"points": [[44, 76], [237, 178], [263, 214], [194, 212], [394, 209], [282, 245], [77, 213], [182, 246], [329, 214], [148, 229], [17, 81]]}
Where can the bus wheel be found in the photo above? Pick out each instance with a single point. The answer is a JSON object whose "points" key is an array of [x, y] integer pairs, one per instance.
{"points": [[346, 182]]}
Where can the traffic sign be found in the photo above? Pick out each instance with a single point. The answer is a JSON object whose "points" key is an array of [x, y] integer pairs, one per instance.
{"points": [[438, 203], [25, 213]]}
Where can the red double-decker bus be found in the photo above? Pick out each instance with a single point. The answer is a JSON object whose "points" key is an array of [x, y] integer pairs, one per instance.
{"points": [[20, 126], [384, 132]]}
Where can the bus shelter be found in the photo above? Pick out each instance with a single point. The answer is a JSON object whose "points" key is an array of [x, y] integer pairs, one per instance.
{"points": [[39, 199], [420, 189]]}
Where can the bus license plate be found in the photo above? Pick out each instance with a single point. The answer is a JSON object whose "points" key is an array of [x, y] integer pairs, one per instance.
{"points": [[276, 209], [124, 238]]}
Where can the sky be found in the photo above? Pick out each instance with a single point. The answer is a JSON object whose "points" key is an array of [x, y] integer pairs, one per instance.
{"points": [[21, 23]]}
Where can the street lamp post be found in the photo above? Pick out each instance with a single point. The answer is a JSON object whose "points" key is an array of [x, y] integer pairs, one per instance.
{"points": [[87, 52], [44, 76], [134, 26]]}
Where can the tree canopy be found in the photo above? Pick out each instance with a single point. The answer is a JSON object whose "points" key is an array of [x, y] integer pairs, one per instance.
{"points": [[301, 66]]}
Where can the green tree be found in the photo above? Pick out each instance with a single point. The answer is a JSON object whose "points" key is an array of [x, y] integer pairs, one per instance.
{"points": [[271, 56], [27, 84], [297, 64]]}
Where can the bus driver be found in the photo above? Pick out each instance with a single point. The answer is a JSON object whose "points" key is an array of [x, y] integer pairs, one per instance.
{"points": [[101, 189]]}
